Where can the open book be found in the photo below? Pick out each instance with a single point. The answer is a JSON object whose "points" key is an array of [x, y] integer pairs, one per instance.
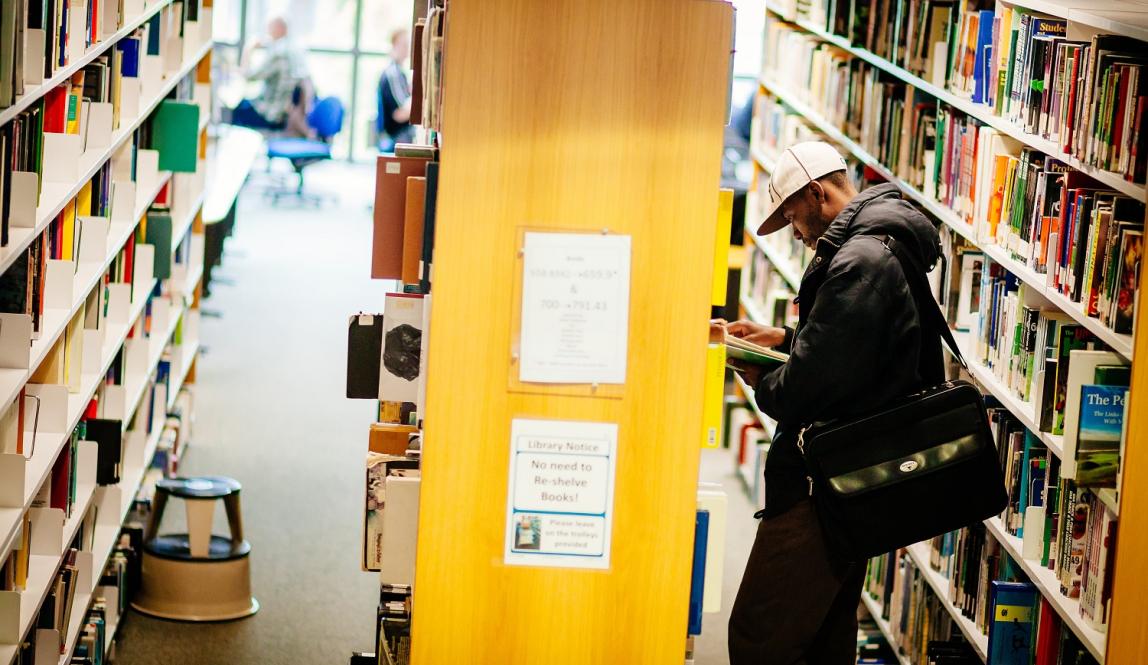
{"points": [[748, 352]]}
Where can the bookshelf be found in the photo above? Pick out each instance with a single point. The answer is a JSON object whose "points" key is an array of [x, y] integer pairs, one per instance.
{"points": [[55, 196], [138, 335], [1085, 18], [1049, 586], [978, 111], [64, 73], [1122, 344]]}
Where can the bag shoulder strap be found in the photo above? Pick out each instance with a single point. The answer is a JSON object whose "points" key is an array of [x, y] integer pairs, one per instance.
{"points": [[927, 306]]}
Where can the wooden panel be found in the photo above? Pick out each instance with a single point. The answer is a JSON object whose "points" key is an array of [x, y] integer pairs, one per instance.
{"points": [[1127, 639], [578, 114]]}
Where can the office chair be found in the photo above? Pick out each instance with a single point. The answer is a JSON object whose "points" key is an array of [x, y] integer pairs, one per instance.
{"points": [[326, 120]]}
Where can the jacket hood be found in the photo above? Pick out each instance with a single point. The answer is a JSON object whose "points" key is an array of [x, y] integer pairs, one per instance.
{"points": [[880, 210]]}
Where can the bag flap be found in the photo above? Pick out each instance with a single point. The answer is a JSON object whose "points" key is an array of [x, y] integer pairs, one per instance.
{"points": [[929, 460]]}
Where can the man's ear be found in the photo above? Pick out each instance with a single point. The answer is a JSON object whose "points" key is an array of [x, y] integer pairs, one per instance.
{"points": [[818, 191]]}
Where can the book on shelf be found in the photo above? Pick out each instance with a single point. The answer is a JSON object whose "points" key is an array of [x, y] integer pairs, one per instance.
{"points": [[364, 355], [400, 371], [379, 468], [1010, 631], [390, 212]]}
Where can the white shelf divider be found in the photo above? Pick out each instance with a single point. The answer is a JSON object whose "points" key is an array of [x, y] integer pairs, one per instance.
{"points": [[1121, 344], [179, 231], [189, 353]]}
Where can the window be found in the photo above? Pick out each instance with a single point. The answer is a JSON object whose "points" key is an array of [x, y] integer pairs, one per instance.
{"points": [[347, 43]]}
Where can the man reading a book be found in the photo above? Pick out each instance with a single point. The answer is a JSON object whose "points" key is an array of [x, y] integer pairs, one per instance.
{"points": [[857, 345]]}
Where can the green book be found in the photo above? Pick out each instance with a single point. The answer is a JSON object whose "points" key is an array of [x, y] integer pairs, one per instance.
{"points": [[748, 352], [175, 134], [159, 235]]}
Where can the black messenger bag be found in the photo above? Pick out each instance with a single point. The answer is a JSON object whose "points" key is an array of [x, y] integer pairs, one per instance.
{"points": [[913, 469]]}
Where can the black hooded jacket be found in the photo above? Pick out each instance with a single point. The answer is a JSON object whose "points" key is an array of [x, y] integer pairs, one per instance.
{"points": [[858, 343]]}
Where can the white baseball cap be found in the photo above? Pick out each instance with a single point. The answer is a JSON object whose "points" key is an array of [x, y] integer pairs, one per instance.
{"points": [[798, 166]]}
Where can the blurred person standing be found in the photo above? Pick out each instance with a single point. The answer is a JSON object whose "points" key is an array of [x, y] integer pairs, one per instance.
{"points": [[393, 121]]}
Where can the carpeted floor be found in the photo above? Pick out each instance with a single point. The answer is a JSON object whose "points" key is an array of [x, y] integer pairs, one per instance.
{"points": [[270, 412]]}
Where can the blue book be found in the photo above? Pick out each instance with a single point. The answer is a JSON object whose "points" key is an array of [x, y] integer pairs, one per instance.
{"points": [[1032, 446], [984, 44], [1013, 608], [129, 49], [1098, 437], [698, 573], [154, 29]]}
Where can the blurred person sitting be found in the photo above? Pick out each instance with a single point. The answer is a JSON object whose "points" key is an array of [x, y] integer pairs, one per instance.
{"points": [[279, 75], [393, 121]]}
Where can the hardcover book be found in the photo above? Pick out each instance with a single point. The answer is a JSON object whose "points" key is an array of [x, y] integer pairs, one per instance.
{"points": [[1098, 440]]}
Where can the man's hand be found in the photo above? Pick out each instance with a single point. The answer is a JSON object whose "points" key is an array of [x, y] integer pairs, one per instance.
{"points": [[749, 372], [767, 336]]}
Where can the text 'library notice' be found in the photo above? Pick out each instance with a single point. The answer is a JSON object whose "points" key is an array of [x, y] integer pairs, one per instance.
{"points": [[561, 495]]}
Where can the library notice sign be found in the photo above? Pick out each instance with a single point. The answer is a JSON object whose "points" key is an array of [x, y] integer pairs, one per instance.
{"points": [[575, 308], [561, 496]]}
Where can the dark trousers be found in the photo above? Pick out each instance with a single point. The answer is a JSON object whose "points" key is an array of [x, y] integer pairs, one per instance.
{"points": [[245, 115], [797, 604]]}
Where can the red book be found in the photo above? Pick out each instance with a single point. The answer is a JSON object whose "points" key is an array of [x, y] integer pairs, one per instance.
{"points": [[1047, 646], [20, 404], [56, 110], [94, 19], [92, 411], [129, 261], [62, 479]]}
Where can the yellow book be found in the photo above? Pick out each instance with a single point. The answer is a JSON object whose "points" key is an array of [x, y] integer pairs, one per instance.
{"points": [[68, 219], [24, 552], [721, 247], [84, 200], [714, 395], [74, 351], [51, 369]]}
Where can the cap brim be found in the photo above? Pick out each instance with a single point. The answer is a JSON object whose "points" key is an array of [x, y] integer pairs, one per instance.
{"points": [[774, 221]]}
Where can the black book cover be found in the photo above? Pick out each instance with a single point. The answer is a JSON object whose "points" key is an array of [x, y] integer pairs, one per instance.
{"points": [[428, 223], [108, 435], [364, 350]]}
